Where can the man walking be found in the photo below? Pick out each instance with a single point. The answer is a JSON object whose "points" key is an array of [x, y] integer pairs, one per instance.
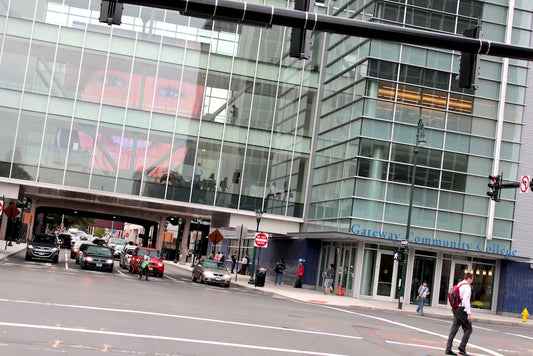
{"points": [[328, 279], [462, 316]]}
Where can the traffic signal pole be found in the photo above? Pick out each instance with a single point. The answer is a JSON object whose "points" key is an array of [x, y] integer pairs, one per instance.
{"points": [[266, 16]]}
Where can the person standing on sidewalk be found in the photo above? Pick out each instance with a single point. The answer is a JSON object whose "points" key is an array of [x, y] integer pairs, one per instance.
{"points": [[300, 275], [233, 261], [423, 292], [328, 281], [462, 316], [280, 267]]}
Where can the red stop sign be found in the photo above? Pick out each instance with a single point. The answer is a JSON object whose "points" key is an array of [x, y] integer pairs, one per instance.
{"points": [[63, 228], [127, 234], [261, 240]]}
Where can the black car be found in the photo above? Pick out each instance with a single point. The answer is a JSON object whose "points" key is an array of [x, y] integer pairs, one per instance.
{"points": [[65, 240], [99, 257], [43, 247], [81, 251]]}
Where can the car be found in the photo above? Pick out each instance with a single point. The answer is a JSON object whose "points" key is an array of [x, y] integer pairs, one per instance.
{"points": [[125, 256], [81, 251], [156, 265], [117, 245], [211, 271], [98, 257], [76, 247], [65, 240], [43, 247]]}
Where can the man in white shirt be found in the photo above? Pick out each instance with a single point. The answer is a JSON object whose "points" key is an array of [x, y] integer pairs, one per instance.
{"points": [[462, 316]]}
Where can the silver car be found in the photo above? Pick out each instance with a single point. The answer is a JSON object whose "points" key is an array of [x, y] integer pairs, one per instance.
{"points": [[125, 256], [211, 271]]}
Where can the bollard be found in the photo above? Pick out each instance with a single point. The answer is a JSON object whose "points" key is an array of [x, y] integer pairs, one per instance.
{"points": [[525, 314]]}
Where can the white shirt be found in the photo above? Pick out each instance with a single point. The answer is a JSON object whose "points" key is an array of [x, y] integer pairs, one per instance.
{"points": [[465, 292]]}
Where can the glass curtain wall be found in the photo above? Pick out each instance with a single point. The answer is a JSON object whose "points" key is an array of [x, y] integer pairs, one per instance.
{"points": [[162, 106], [374, 94]]}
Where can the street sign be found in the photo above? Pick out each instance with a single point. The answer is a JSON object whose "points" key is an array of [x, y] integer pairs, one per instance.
{"points": [[1, 207], [63, 229], [216, 236], [11, 211], [261, 240], [524, 184], [127, 234]]}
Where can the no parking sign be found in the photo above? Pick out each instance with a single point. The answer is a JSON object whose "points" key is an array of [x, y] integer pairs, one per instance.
{"points": [[525, 182]]}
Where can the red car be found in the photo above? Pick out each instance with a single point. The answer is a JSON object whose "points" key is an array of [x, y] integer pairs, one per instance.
{"points": [[156, 266]]}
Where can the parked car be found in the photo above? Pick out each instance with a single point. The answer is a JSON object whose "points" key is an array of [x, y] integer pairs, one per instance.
{"points": [[81, 251], [43, 247], [156, 265], [98, 257], [125, 256], [211, 271]]}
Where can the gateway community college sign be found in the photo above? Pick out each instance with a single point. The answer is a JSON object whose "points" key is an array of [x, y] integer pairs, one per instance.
{"points": [[495, 248]]}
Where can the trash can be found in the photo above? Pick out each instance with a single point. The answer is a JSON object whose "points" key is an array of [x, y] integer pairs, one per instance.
{"points": [[260, 277]]}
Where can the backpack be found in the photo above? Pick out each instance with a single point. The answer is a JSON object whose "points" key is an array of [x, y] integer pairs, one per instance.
{"points": [[454, 297]]}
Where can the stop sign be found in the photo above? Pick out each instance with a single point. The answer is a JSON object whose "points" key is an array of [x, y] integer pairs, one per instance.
{"points": [[62, 229], [127, 234], [261, 240]]}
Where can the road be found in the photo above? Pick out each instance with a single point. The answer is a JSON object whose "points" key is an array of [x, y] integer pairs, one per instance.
{"points": [[49, 309]]}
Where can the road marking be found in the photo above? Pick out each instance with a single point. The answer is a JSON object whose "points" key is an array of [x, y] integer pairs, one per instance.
{"points": [[420, 345], [518, 335], [66, 259], [131, 311], [169, 338], [407, 326]]}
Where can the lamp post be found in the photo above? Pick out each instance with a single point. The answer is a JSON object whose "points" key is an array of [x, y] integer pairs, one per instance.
{"points": [[258, 215], [420, 142], [198, 222], [178, 238]]}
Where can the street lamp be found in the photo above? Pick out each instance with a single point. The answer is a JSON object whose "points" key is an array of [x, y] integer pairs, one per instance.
{"points": [[420, 142], [178, 238], [198, 222], [258, 215]]}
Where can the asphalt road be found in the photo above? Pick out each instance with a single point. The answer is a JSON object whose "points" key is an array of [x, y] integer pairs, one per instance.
{"points": [[48, 309]]}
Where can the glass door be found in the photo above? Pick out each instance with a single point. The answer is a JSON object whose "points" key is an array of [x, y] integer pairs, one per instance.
{"points": [[346, 268], [458, 273], [386, 273]]}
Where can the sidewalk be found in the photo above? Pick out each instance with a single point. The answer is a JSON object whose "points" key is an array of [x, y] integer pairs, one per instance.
{"points": [[319, 297]]}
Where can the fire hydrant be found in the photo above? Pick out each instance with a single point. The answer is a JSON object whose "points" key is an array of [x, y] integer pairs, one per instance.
{"points": [[525, 314]]}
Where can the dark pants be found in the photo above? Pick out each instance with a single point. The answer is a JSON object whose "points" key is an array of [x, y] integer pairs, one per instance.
{"points": [[460, 318]]}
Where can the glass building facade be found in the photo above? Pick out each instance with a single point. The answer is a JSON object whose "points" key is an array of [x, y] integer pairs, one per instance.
{"points": [[163, 106], [216, 116]]}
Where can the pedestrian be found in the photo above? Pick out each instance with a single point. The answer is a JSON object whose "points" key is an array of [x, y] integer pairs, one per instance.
{"points": [[222, 257], [244, 264], [217, 256], [300, 275], [328, 281], [280, 267], [233, 261], [423, 292], [462, 316], [144, 263]]}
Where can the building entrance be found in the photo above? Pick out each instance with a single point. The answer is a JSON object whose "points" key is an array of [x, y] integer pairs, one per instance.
{"points": [[386, 271]]}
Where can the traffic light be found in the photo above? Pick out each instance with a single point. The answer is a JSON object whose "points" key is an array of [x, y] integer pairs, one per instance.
{"points": [[398, 256], [301, 38], [469, 63], [495, 186], [111, 12]]}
